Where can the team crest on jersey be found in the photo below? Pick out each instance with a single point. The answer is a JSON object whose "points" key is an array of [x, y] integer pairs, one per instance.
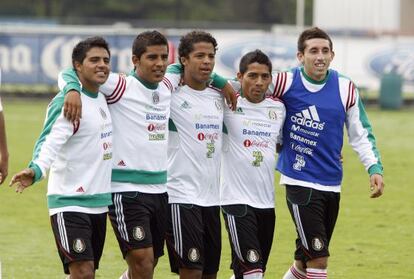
{"points": [[218, 105], [193, 255], [299, 163], [155, 97], [138, 233], [103, 114], [253, 256], [79, 245], [317, 244], [272, 114]]}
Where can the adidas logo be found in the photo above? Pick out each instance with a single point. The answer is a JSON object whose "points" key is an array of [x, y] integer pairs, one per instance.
{"points": [[185, 105], [80, 190], [239, 110], [309, 118], [122, 163]]}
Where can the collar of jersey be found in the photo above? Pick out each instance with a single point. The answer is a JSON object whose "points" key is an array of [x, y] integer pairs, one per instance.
{"points": [[147, 84], [311, 80], [90, 94]]}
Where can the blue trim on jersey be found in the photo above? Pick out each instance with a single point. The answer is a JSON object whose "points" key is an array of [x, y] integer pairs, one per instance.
{"points": [[313, 132]]}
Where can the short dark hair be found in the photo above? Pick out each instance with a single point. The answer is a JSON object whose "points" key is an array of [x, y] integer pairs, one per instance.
{"points": [[252, 57], [312, 33], [80, 50], [187, 42], [146, 39]]}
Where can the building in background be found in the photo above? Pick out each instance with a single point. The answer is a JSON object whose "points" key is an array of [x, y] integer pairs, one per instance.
{"points": [[370, 16]]}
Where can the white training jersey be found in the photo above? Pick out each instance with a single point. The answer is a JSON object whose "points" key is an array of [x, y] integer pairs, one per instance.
{"points": [[79, 157], [357, 124], [140, 112], [249, 152], [194, 148]]}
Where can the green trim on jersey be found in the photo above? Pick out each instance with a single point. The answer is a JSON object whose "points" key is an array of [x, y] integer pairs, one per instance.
{"points": [[53, 112], [311, 80], [175, 68], [215, 79], [90, 94], [218, 81], [96, 200], [225, 131], [37, 172], [377, 168], [139, 176], [147, 84], [171, 126], [72, 82]]}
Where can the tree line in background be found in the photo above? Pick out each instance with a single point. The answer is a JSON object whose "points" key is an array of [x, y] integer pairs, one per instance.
{"points": [[163, 12]]}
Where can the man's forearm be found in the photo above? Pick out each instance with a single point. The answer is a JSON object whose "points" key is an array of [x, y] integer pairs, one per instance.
{"points": [[4, 153]]}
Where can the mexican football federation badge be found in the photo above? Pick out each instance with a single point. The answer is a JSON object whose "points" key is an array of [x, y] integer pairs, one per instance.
{"points": [[155, 97], [252, 256], [79, 245], [272, 114], [317, 244], [138, 233], [193, 255]]}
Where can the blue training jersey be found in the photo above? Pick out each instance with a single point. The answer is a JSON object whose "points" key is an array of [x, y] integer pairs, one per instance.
{"points": [[313, 132]]}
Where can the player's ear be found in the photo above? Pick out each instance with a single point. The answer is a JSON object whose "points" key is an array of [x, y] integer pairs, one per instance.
{"points": [[332, 55], [135, 60], [183, 61], [299, 56], [239, 76], [78, 66]]}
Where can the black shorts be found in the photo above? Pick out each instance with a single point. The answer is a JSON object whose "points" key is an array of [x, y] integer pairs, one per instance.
{"points": [[251, 235], [139, 221], [79, 237], [314, 213], [194, 237]]}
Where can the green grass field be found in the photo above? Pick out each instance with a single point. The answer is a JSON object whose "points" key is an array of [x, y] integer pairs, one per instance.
{"points": [[373, 239]]}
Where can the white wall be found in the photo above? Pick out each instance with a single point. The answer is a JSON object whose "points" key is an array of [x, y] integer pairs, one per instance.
{"points": [[373, 15]]}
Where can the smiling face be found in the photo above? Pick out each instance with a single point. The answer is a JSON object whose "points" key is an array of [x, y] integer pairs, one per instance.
{"points": [[316, 58], [152, 64], [198, 65], [94, 69], [255, 81]]}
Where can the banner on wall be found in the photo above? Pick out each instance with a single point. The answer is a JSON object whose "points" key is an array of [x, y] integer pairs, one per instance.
{"points": [[37, 57]]}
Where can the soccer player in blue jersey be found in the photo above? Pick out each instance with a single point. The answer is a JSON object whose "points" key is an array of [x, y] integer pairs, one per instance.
{"points": [[319, 103]]}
